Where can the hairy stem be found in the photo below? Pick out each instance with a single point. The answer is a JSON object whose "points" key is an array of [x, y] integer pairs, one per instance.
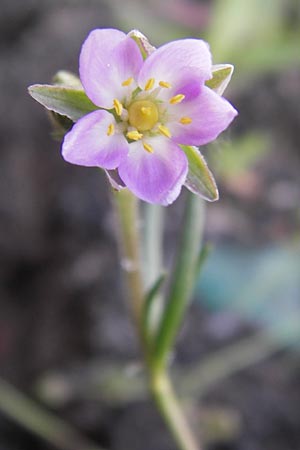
{"points": [[127, 209]]}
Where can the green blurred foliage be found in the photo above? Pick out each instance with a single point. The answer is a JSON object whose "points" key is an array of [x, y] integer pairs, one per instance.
{"points": [[256, 36], [233, 157]]}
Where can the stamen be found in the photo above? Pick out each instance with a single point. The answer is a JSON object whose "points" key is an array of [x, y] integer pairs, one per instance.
{"points": [[110, 129], [164, 130], [134, 135], [127, 82], [148, 147], [176, 99], [185, 120], [118, 107], [165, 84], [146, 110], [149, 85]]}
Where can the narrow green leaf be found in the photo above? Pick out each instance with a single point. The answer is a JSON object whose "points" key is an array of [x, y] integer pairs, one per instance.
{"points": [[200, 180], [222, 74], [203, 255], [182, 280], [149, 299], [63, 100]]}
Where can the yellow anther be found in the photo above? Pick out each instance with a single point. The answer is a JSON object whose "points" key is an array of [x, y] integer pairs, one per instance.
{"points": [[146, 110], [148, 148], [110, 129], [127, 82], [165, 84], [134, 135], [118, 107], [164, 130], [185, 120], [176, 99], [149, 85]]}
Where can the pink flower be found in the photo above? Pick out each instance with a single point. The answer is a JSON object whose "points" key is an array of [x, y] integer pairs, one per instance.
{"points": [[147, 108]]}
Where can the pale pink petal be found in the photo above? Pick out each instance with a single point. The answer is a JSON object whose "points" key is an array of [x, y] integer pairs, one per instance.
{"points": [[108, 57], [210, 114], [155, 177], [87, 144], [187, 83], [168, 61]]}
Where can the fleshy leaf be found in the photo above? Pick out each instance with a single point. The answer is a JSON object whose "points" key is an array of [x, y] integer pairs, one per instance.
{"points": [[200, 180], [150, 298], [144, 45], [222, 74], [67, 101]]}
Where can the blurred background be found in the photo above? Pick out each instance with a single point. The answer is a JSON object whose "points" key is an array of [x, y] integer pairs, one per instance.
{"points": [[65, 336]]}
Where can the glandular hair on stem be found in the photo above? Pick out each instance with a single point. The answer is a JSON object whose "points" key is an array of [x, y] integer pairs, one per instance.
{"points": [[128, 265]]}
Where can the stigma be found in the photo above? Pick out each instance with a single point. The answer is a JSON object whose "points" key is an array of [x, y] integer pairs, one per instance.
{"points": [[143, 115]]}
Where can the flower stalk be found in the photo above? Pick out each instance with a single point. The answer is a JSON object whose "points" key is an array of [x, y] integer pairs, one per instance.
{"points": [[129, 239]]}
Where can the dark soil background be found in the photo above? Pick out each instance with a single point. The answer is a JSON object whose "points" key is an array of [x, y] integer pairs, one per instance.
{"points": [[62, 305]]}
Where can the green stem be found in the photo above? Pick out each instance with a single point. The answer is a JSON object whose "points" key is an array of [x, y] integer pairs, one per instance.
{"points": [[182, 281], [170, 410], [152, 243], [129, 236], [152, 259], [38, 421]]}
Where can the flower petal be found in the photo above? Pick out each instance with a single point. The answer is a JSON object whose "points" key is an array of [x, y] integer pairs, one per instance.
{"points": [[108, 57], [187, 83], [155, 177], [167, 62], [210, 114], [88, 144]]}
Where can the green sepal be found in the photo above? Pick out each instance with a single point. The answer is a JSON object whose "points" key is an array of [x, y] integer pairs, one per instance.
{"points": [[61, 125], [199, 179], [221, 76], [144, 45], [66, 101]]}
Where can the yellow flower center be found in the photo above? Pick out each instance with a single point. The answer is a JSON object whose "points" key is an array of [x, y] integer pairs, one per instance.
{"points": [[143, 115]]}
